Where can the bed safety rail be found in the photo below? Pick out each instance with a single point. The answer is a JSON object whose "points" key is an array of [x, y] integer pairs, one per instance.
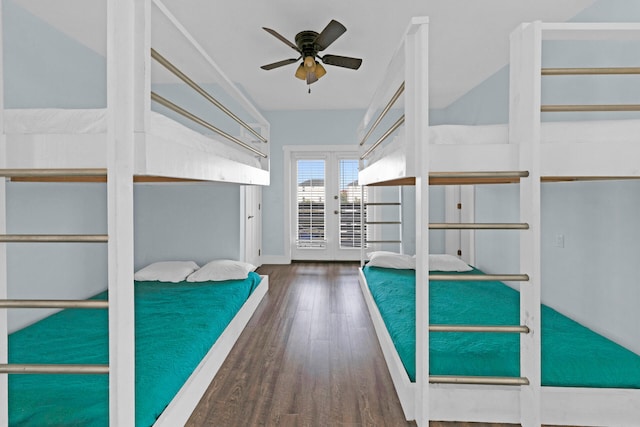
{"points": [[384, 136], [173, 107], [591, 72], [185, 61], [384, 112], [173, 69], [387, 99]]}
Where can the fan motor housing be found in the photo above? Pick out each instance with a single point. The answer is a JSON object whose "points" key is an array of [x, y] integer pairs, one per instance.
{"points": [[305, 40]]}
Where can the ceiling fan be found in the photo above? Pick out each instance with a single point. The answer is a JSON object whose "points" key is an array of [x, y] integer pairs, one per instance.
{"points": [[308, 44]]}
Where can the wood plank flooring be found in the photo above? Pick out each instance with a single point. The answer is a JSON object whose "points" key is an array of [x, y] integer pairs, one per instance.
{"points": [[308, 357]]}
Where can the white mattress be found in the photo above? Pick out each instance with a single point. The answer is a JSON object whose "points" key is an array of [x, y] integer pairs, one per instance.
{"points": [[94, 121], [55, 120], [170, 129], [551, 132]]}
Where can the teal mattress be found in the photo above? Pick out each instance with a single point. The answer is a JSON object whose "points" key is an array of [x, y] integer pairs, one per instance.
{"points": [[176, 325], [572, 355]]}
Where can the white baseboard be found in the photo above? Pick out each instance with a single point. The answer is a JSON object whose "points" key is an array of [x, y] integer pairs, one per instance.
{"points": [[275, 259]]}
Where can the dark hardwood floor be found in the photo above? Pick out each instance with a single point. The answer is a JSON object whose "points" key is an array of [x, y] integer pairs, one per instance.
{"points": [[308, 357]]}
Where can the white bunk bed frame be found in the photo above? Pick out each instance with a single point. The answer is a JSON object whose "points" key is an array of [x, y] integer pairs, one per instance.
{"points": [[130, 146], [505, 400]]}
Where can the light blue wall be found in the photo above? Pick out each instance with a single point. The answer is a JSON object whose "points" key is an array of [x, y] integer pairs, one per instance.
{"points": [[436, 214], [591, 278], [195, 222], [171, 222], [34, 75]]}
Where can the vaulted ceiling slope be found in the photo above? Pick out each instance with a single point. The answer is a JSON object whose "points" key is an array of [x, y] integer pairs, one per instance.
{"points": [[468, 41]]}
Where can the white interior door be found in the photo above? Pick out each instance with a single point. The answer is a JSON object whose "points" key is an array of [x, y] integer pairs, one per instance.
{"points": [[252, 217], [325, 208]]}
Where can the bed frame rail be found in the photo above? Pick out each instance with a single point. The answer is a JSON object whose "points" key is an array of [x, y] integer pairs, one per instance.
{"points": [[182, 76]]}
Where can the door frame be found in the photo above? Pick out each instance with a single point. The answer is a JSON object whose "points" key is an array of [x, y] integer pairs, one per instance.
{"points": [[290, 151]]}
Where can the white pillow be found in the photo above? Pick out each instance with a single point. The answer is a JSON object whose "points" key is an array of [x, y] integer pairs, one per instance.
{"points": [[391, 260], [166, 271], [445, 262], [222, 269]]}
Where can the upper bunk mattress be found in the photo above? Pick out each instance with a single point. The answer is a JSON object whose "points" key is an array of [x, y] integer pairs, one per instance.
{"points": [[575, 132], [605, 148], [63, 130]]}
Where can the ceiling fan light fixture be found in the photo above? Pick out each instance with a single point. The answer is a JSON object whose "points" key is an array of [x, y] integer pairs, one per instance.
{"points": [[308, 43], [301, 73], [320, 71], [310, 63]]}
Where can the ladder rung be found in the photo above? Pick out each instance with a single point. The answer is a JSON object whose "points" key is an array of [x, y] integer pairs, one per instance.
{"points": [[480, 277], [479, 226], [383, 222], [493, 174], [383, 204], [18, 368], [589, 71], [27, 303], [479, 328], [458, 379], [383, 241], [42, 173], [592, 107], [54, 238]]}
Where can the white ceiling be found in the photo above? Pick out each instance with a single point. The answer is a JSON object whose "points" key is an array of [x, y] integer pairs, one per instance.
{"points": [[468, 41]]}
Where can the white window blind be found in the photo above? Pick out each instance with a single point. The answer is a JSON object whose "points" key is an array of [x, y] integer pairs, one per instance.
{"points": [[351, 227], [311, 204]]}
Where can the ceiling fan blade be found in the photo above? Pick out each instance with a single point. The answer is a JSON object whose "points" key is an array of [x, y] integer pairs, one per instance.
{"points": [[331, 32], [279, 64], [311, 77], [277, 35], [342, 61]]}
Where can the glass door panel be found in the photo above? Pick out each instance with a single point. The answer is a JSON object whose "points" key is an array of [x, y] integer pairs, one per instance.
{"points": [[310, 204]]}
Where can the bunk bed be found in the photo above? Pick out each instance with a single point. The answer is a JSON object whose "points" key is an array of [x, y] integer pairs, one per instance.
{"points": [[141, 136], [525, 152]]}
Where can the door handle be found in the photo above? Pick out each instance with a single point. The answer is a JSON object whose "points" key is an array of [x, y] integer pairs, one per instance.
{"points": [[336, 212], [250, 216]]}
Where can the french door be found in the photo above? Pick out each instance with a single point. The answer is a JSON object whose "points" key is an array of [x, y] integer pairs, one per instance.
{"points": [[325, 208]]}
